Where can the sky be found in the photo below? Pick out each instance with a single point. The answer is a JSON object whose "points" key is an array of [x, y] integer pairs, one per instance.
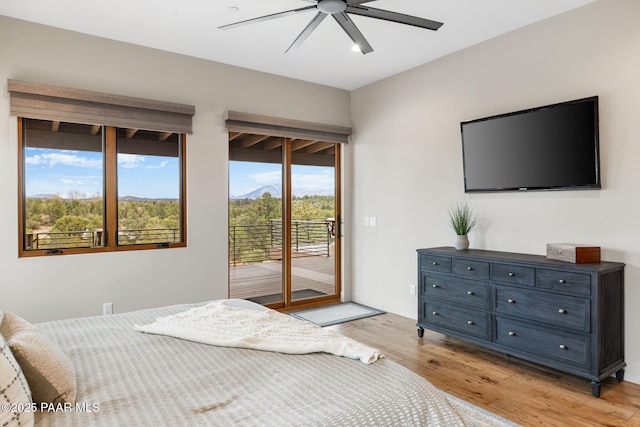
{"points": [[79, 173], [244, 177]]}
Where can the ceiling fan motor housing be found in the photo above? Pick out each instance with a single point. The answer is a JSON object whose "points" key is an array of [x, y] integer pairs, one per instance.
{"points": [[340, 11], [331, 6]]}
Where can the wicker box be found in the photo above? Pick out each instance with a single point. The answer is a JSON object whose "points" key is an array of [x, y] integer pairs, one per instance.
{"points": [[571, 252]]}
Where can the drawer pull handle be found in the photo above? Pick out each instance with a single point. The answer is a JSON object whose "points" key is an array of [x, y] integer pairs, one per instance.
{"points": [[511, 274], [469, 292], [434, 263], [469, 322], [512, 334], [563, 347], [469, 268], [562, 311], [435, 313], [435, 285], [511, 301], [562, 281]]}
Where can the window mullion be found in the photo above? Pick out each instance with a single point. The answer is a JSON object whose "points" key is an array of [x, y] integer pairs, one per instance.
{"points": [[110, 184]]}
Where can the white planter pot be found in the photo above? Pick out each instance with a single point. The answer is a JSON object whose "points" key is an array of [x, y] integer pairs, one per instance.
{"points": [[461, 243]]}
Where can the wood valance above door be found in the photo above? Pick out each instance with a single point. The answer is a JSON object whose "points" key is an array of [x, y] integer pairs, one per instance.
{"points": [[286, 128]]}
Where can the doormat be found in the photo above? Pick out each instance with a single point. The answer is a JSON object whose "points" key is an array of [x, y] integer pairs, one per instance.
{"points": [[295, 295], [334, 314]]}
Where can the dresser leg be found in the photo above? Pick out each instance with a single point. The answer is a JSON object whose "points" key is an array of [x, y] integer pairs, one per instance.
{"points": [[595, 388], [620, 375], [420, 332]]}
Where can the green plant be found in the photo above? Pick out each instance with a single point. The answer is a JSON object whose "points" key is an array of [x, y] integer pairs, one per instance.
{"points": [[462, 218]]}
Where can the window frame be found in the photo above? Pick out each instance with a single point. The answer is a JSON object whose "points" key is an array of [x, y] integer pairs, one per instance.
{"points": [[110, 200]]}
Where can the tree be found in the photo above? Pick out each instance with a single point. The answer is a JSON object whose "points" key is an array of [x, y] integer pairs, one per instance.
{"points": [[70, 223], [55, 209], [70, 231]]}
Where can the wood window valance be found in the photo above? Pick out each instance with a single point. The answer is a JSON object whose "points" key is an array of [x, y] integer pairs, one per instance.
{"points": [[273, 126], [55, 103]]}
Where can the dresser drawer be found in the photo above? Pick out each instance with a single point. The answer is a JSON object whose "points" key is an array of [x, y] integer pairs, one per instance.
{"points": [[439, 264], [564, 347], [460, 291], [470, 268], [557, 310], [467, 321], [512, 274], [563, 281]]}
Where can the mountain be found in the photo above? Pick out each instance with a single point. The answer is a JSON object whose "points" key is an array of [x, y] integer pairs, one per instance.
{"points": [[122, 199], [145, 199], [306, 191], [43, 196], [276, 191]]}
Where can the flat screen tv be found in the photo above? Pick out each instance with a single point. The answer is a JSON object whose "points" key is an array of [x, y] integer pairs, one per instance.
{"points": [[555, 147]]}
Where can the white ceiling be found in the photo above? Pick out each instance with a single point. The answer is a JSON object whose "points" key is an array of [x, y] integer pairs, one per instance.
{"points": [[190, 27]]}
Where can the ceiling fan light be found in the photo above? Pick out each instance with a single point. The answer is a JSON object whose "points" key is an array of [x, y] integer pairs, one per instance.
{"points": [[331, 6], [356, 48]]}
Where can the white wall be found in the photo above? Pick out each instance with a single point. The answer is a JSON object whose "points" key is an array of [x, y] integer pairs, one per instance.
{"points": [[407, 162], [48, 288]]}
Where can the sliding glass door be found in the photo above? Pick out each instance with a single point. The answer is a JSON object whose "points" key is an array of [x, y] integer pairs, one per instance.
{"points": [[313, 220], [255, 228], [284, 212]]}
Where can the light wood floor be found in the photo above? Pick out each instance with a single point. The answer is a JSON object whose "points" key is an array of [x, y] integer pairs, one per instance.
{"points": [[523, 393]]}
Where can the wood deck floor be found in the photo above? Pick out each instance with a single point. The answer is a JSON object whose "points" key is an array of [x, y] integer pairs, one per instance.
{"points": [[313, 273]]}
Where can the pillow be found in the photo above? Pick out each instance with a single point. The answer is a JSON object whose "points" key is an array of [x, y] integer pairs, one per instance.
{"points": [[14, 391], [48, 369]]}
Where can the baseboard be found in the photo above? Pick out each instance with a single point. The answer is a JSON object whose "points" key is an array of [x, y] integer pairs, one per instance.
{"points": [[406, 310], [632, 373]]}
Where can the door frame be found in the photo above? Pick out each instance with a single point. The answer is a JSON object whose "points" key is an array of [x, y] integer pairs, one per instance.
{"points": [[287, 303]]}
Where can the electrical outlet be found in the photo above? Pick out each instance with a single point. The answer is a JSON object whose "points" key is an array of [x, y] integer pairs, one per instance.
{"points": [[412, 289], [373, 221], [107, 308]]}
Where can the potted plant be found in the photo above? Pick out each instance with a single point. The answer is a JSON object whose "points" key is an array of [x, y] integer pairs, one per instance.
{"points": [[462, 220]]}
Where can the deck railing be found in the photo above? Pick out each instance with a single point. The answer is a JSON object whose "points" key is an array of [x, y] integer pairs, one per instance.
{"points": [[149, 235], [87, 238], [263, 242], [247, 243]]}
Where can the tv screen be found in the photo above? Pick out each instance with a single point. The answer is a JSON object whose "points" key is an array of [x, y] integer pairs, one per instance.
{"points": [[555, 147]]}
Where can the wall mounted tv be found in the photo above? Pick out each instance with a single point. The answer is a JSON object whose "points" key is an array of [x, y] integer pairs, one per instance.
{"points": [[555, 147]]}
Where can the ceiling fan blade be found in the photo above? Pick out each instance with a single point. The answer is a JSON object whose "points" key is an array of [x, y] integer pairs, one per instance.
{"points": [[350, 28], [307, 31], [267, 17], [356, 2], [400, 18]]}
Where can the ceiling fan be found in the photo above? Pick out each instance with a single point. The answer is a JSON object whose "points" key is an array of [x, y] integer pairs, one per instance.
{"points": [[340, 10]]}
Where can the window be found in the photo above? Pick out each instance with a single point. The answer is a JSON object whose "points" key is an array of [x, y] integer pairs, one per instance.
{"points": [[92, 188], [91, 179], [149, 187]]}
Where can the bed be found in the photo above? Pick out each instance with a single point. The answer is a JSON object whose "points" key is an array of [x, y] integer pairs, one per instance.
{"points": [[129, 378]]}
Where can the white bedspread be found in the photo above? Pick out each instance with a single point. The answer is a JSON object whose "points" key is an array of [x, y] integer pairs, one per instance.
{"points": [[145, 380], [221, 324]]}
